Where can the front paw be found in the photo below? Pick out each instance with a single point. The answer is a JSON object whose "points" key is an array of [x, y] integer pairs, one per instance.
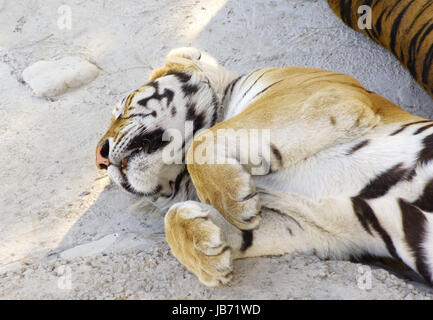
{"points": [[197, 243], [239, 202], [244, 212]]}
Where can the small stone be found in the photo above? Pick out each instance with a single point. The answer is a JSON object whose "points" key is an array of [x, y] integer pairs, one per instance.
{"points": [[52, 78]]}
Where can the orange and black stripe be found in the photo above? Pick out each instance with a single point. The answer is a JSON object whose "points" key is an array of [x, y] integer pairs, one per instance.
{"points": [[404, 27]]}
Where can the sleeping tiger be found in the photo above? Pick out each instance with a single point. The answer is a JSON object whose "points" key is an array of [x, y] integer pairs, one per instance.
{"points": [[404, 27], [343, 173]]}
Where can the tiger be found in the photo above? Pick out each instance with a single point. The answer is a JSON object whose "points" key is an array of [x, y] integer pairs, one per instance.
{"points": [[342, 172], [404, 27]]}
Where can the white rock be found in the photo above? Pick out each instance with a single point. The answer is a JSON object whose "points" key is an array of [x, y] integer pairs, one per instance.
{"points": [[51, 78]]}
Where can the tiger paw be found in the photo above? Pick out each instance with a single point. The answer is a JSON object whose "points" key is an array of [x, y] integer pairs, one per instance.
{"points": [[240, 203], [197, 243]]}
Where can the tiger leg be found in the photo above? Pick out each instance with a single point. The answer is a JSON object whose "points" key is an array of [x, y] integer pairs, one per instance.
{"points": [[342, 228], [206, 243], [224, 182], [339, 228]]}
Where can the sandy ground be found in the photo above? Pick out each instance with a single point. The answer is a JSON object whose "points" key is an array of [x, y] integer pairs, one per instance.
{"points": [[65, 232]]}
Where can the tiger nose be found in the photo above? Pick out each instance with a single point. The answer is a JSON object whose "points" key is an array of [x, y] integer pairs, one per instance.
{"points": [[102, 150]]}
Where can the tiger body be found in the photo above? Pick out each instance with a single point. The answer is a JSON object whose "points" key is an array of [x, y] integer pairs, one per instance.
{"points": [[349, 172]]}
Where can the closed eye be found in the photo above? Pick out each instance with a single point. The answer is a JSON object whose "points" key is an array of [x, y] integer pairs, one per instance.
{"points": [[142, 115], [150, 141]]}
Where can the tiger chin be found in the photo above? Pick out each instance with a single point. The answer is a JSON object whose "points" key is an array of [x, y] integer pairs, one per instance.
{"points": [[346, 173]]}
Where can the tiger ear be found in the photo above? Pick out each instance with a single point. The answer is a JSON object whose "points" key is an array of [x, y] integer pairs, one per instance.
{"points": [[189, 53], [184, 59]]}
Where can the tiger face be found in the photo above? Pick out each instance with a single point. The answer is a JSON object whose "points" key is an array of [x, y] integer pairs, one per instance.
{"points": [[149, 128]]}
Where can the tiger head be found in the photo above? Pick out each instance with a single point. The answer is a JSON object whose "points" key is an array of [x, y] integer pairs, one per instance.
{"points": [[149, 127]]}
